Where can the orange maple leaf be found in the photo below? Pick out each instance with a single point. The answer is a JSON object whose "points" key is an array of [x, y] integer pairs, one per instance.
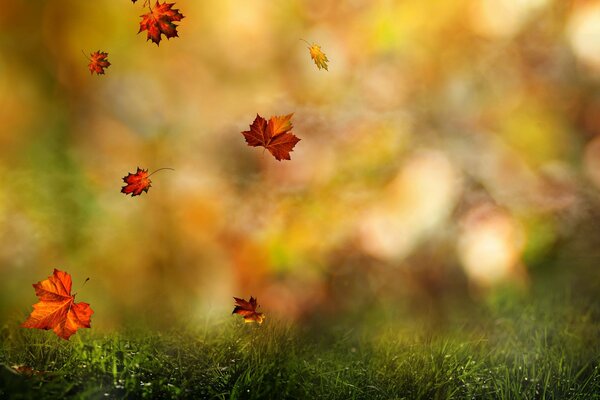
{"points": [[273, 135], [159, 21], [98, 62], [247, 309], [138, 182], [57, 309]]}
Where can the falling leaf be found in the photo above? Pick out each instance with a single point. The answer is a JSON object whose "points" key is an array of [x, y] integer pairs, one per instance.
{"points": [[138, 182], [247, 309], [159, 21], [98, 62], [318, 56], [273, 135], [57, 309]]}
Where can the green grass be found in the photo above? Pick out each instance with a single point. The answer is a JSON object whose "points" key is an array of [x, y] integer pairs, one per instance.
{"points": [[517, 351]]}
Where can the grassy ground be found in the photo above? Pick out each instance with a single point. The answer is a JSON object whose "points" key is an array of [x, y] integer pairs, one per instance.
{"points": [[524, 350]]}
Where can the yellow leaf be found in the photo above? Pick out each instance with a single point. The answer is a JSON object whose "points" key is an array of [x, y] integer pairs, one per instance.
{"points": [[318, 56]]}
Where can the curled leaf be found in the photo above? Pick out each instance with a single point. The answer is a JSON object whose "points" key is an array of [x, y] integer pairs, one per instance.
{"points": [[247, 309], [25, 370]]}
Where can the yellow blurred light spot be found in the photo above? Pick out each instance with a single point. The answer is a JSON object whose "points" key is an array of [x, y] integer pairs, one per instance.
{"points": [[502, 18], [490, 245], [584, 34], [243, 25], [408, 25], [535, 132], [419, 199]]}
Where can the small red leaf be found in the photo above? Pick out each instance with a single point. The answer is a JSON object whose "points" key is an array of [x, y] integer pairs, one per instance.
{"points": [[98, 62], [160, 21], [136, 183], [273, 135], [247, 309]]}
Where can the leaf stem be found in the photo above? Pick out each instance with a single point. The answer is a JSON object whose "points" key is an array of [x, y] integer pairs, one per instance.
{"points": [[84, 282], [305, 42], [85, 55], [160, 169]]}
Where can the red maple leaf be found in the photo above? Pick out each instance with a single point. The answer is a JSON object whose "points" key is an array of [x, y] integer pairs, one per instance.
{"points": [[159, 21], [57, 309], [138, 182], [273, 135], [247, 309], [98, 62]]}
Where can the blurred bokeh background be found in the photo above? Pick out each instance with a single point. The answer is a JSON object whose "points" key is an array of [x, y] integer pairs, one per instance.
{"points": [[453, 148]]}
